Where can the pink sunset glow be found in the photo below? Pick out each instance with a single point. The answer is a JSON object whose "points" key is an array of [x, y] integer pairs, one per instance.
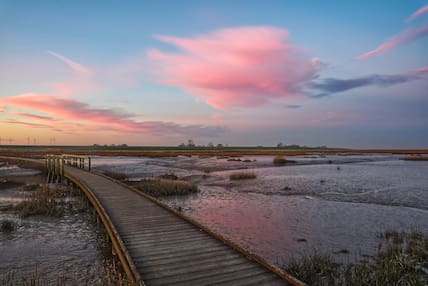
{"points": [[59, 109], [401, 38], [418, 13], [236, 67]]}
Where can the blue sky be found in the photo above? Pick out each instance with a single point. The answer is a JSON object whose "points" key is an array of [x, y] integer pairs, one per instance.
{"points": [[336, 73]]}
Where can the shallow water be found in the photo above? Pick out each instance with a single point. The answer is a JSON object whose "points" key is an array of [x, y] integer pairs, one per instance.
{"points": [[329, 203], [65, 247]]}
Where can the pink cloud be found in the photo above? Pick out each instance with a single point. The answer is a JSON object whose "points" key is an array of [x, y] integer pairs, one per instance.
{"points": [[418, 13], [401, 38], [75, 66], [244, 67], [102, 119]]}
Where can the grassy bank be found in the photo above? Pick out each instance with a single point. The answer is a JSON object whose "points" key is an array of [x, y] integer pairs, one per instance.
{"points": [[414, 158], [41, 151], [402, 259]]}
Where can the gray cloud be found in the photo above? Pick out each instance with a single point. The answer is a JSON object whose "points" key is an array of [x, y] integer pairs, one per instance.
{"points": [[331, 86], [293, 106]]}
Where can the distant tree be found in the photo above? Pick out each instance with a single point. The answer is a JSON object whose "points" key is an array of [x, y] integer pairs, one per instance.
{"points": [[279, 145], [219, 145], [190, 143], [210, 145]]}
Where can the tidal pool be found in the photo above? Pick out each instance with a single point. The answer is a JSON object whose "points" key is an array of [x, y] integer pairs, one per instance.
{"points": [[333, 204]]}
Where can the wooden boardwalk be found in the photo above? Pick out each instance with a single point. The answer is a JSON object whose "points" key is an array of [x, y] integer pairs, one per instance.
{"points": [[158, 247], [167, 250]]}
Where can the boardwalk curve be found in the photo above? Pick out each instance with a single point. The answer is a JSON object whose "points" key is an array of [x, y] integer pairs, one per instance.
{"points": [[158, 246]]}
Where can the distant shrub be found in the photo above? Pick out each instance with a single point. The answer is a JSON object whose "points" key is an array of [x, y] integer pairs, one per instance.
{"points": [[242, 176], [279, 160]]}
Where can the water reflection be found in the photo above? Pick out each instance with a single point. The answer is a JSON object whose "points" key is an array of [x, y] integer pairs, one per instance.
{"points": [[329, 203]]}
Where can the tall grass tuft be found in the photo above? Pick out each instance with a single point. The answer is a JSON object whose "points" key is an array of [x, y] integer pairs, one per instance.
{"points": [[242, 176], [314, 269], [43, 201], [7, 225]]}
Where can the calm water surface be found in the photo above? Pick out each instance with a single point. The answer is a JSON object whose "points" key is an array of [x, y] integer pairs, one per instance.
{"points": [[328, 203]]}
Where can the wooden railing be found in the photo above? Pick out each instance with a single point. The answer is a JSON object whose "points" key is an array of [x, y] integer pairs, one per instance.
{"points": [[55, 165]]}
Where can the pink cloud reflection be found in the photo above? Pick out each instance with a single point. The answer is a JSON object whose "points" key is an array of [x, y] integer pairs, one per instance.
{"points": [[243, 67]]}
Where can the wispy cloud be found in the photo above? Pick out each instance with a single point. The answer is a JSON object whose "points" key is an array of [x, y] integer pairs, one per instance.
{"points": [[30, 124], [418, 13], [75, 111], [75, 66], [331, 86], [34, 116], [401, 38], [235, 67]]}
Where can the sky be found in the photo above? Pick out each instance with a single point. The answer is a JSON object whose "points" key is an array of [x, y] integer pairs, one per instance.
{"points": [[350, 74]]}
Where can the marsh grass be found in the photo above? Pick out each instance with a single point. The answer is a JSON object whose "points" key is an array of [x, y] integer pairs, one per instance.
{"points": [[403, 260], [162, 187], [242, 176], [314, 269]]}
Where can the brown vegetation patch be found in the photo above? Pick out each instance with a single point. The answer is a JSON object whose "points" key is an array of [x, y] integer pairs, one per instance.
{"points": [[280, 160], [242, 176], [162, 187]]}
